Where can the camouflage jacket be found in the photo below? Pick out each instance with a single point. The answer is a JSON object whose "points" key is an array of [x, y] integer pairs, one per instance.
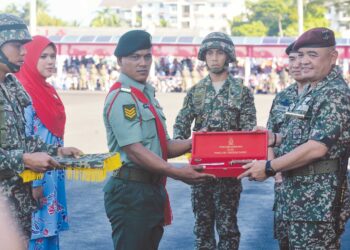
{"points": [[326, 111], [13, 142], [231, 109], [280, 105]]}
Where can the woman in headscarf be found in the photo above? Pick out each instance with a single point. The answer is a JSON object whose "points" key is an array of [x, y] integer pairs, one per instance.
{"points": [[45, 118]]}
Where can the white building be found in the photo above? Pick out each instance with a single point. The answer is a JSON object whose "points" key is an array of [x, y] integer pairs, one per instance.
{"points": [[203, 16], [340, 19]]}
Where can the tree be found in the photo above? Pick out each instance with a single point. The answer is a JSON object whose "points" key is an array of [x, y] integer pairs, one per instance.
{"points": [[278, 18], [106, 18], [43, 18], [163, 23]]}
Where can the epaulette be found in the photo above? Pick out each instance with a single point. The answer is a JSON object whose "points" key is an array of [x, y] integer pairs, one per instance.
{"points": [[126, 90]]}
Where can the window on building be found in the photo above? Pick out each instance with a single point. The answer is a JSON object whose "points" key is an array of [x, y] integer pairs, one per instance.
{"points": [[186, 11], [173, 7]]}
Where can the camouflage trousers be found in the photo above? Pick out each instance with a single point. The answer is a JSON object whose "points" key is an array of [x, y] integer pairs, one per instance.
{"points": [[21, 202], [310, 235], [279, 226], [314, 235], [215, 203]]}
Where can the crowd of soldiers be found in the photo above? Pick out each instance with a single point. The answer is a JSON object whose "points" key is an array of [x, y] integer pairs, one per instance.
{"points": [[308, 149]]}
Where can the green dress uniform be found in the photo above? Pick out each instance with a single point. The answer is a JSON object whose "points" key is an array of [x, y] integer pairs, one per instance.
{"points": [[308, 193], [134, 197], [231, 109], [13, 144]]}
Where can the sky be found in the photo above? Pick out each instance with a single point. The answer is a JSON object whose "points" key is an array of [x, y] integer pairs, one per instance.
{"points": [[68, 10]]}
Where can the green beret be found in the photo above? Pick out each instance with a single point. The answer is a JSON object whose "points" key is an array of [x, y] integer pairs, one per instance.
{"points": [[132, 41]]}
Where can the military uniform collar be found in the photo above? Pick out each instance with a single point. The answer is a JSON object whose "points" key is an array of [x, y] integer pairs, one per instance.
{"points": [[334, 73], [127, 82], [208, 81]]}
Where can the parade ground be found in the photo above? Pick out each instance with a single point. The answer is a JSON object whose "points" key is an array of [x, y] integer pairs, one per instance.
{"points": [[89, 227]]}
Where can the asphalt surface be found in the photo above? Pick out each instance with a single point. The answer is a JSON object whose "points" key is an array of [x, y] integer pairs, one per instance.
{"points": [[89, 227]]}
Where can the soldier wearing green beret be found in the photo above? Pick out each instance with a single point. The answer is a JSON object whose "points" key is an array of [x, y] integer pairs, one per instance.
{"points": [[18, 152], [313, 149], [218, 102], [136, 201]]}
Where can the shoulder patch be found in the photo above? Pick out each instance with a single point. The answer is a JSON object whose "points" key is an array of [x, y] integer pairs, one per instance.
{"points": [[129, 112]]}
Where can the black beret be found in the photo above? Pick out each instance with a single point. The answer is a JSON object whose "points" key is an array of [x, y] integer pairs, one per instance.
{"points": [[132, 41], [315, 38], [290, 49]]}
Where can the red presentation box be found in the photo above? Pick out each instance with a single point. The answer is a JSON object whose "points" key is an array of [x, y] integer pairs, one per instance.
{"points": [[224, 153]]}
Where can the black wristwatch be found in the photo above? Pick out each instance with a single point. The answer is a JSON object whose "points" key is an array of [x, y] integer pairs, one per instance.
{"points": [[269, 171]]}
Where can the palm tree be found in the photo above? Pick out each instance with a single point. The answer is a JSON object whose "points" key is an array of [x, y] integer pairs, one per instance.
{"points": [[106, 17]]}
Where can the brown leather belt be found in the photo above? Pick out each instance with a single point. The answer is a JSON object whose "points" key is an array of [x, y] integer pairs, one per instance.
{"points": [[320, 167], [136, 174]]}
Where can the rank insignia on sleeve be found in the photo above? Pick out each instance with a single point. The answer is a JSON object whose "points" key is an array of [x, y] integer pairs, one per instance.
{"points": [[130, 112]]}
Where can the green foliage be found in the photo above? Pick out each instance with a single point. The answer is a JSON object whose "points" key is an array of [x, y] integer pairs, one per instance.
{"points": [[278, 18], [256, 28], [106, 18], [43, 18], [163, 23]]}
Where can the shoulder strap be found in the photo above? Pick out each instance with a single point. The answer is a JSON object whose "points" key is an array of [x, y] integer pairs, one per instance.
{"points": [[160, 128]]}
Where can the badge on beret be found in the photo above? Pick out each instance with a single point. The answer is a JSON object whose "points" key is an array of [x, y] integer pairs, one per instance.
{"points": [[129, 112], [325, 35]]}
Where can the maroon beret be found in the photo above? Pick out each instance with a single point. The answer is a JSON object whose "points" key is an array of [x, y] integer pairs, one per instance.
{"points": [[315, 38]]}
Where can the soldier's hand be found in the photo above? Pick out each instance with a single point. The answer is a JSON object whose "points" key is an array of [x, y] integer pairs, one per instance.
{"points": [[255, 171], [192, 175], [39, 162], [38, 194], [69, 151], [271, 135]]}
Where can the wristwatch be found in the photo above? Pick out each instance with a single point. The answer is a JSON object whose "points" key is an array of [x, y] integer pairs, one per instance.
{"points": [[269, 171]]}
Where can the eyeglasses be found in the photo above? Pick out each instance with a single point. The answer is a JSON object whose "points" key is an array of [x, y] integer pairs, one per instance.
{"points": [[137, 57]]}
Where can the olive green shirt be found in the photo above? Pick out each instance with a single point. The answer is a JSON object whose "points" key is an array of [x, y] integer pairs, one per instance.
{"points": [[123, 127]]}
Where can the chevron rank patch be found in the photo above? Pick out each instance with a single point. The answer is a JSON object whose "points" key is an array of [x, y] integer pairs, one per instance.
{"points": [[130, 112]]}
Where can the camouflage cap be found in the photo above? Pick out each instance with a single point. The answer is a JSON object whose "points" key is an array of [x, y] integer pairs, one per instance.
{"points": [[12, 28], [217, 40]]}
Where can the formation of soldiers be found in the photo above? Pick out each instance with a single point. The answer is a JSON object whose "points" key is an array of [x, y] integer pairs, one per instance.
{"points": [[309, 141]]}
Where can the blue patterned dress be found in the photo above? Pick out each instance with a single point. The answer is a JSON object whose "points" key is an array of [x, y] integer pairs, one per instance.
{"points": [[52, 217]]}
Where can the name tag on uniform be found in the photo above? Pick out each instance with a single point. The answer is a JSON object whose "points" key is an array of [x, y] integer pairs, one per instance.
{"points": [[281, 108]]}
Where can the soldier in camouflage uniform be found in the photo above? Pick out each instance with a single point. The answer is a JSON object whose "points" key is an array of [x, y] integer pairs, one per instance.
{"points": [[218, 102], [280, 105], [17, 151], [314, 148]]}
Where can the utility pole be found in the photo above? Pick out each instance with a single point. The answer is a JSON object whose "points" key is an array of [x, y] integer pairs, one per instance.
{"points": [[300, 17], [33, 17]]}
